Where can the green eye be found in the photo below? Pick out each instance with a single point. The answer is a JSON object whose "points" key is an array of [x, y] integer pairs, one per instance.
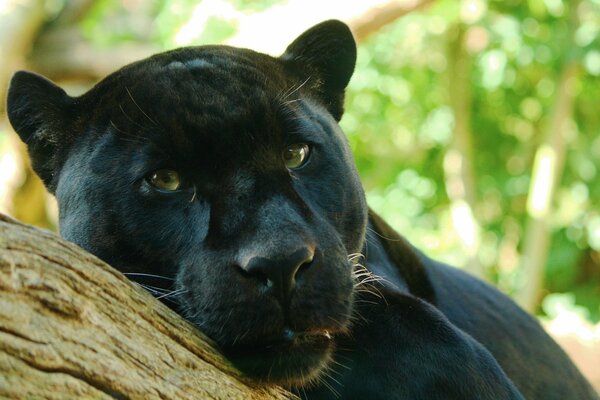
{"points": [[295, 155], [165, 179]]}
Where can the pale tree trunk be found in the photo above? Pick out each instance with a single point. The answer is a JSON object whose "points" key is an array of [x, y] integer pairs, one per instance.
{"points": [[547, 170], [458, 161], [72, 327], [548, 167]]}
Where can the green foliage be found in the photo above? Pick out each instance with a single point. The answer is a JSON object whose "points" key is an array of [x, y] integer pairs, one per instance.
{"points": [[398, 120]]}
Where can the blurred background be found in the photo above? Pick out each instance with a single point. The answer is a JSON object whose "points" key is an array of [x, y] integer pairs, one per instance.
{"points": [[475, 124]]}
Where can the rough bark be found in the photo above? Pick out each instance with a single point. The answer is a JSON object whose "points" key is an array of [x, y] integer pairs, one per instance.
{"points": [[73, 327]]}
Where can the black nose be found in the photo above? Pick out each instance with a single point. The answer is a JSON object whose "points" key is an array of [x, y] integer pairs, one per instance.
{"points": [[279, 273]]}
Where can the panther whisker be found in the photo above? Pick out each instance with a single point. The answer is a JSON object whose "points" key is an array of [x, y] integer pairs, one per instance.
{"points": [[128, 137], [156, 288], [305, 383], [171, 294], [334, 361], [354, 256], [361, 274], [136, 142], [384, 237], [140, 108], [290, 102], [357, 317], [374, 303], [329, 386], [160, 293], [131, 119], [149, 289], [293, 90], [330, 372], [365, 279], [364, 283], [148, 275], [179, 292], [240, 336]]}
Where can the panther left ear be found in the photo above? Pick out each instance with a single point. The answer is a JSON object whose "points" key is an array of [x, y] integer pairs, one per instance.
{"points": [[41, 114], [325, 55]]}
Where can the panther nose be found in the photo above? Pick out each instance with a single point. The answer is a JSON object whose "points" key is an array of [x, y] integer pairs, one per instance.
{"points": [[279, 274]]}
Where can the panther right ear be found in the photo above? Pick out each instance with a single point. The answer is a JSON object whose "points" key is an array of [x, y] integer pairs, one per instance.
{"points": [[324, 56], [40, 113]]}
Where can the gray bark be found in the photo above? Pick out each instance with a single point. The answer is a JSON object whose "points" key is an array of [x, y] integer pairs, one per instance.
{"points": [[73, 327]]}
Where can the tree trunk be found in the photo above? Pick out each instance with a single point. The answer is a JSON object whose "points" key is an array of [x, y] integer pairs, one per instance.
{"points": [[547, 170], [459, 165], [73, 327]]}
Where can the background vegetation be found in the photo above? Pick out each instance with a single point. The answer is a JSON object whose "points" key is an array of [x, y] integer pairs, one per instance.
{"points": [[475, 124]]}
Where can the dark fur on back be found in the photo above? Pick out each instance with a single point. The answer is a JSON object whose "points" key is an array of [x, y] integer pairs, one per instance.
{"points": [[260, 253]]}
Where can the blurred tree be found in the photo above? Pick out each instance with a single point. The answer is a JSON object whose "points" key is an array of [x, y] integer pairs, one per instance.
{"points": [[459, 171], [20, 23], [548, 166]]}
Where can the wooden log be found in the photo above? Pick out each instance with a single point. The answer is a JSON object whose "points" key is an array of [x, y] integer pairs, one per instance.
{"points": [[73, 327]]}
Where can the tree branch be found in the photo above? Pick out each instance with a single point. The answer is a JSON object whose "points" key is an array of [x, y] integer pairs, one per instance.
{"points": [[376, 18], [73, 327]]}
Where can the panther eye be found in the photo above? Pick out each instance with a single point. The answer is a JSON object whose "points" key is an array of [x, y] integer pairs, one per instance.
{"points": [[295, 156], [165, 179]]}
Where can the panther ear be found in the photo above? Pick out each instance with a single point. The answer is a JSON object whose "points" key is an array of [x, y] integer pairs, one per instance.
{"points": [[325, 55], [39, 112]]}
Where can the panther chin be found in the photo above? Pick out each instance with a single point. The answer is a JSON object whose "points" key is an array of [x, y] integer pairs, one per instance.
{"points": [[292, 359]]}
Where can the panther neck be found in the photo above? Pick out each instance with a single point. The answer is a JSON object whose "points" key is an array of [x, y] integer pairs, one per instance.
{"points": [[392, 257]]}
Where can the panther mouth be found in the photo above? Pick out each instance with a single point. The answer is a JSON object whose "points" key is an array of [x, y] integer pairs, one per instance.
{"points": [[289, 359]]}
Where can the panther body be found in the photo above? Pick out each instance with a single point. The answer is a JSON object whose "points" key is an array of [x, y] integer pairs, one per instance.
{"points": [[223, 172]]}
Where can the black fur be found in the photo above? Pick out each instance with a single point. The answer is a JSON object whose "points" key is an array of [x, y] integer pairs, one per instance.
{"points": [[262, 256]]}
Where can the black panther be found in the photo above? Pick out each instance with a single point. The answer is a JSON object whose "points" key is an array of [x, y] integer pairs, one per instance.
{"points": [[220, 176]]}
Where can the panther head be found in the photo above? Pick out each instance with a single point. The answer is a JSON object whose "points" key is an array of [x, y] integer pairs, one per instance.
{"points": [[223, 172]]}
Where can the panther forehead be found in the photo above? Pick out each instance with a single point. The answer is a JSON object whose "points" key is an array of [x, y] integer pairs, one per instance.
{"points": [[208, 97], [233, 63], [196, 63], [222, 72]]}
